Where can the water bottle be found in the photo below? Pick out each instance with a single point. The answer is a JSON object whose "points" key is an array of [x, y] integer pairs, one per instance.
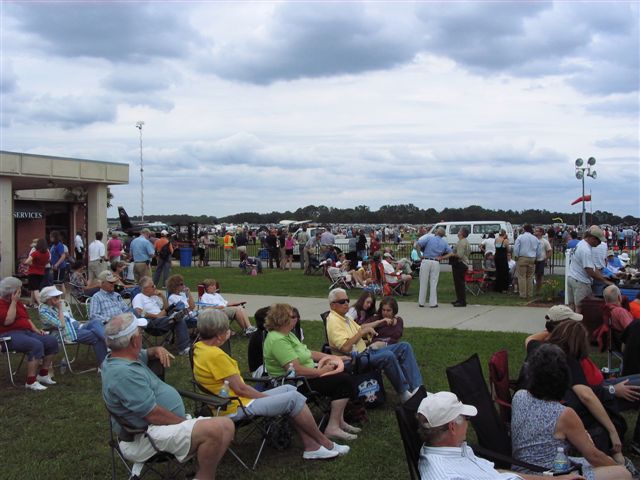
{"points": [[224, 391], [291, 371], [63, 367], [561, 462]]}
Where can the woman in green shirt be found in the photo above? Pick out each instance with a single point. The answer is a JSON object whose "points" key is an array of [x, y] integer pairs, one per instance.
{"points": [[282, 348]]}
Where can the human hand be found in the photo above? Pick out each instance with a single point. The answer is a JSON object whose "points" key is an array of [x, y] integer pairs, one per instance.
{"points": [[626, 391], [164, 356], [616, 444], [16, 295], [368, 329]]}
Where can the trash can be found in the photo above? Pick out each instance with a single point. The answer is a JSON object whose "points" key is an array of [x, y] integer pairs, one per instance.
{"points": [[186, 255]]}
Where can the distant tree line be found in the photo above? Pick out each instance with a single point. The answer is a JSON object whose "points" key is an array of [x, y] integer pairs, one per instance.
{"points": [[398, 214]]}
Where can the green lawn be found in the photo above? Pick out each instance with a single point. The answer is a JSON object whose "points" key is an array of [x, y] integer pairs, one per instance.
{"points": [[295, 284]]}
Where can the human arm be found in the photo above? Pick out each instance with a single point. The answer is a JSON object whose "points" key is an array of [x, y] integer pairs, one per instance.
{"points": [[364, 331], [596, 275], [540, 337], [627, 391], [527, 476], [162, 354], [241, 389], [11, 312], [570, 426], [161, 416], [593, 404]]}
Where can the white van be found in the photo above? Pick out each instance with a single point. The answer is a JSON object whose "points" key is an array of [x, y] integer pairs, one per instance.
{"points": [[476, 231]]}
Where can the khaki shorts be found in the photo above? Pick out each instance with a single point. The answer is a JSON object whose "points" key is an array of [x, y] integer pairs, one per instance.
{"points": [[577, 291], [174, 439]]}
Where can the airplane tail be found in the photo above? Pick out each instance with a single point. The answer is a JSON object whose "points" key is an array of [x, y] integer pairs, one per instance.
{"points": [[125, 221]]}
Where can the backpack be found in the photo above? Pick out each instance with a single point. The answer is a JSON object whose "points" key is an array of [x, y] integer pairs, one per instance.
{"points": [[164, 252]]}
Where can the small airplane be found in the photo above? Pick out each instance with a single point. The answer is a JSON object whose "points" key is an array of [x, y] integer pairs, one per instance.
{"points": [[133, 228]]}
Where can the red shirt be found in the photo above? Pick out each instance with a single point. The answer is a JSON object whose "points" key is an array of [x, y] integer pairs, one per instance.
{"points": [[39, 263], [22, 317], [634, 307]]}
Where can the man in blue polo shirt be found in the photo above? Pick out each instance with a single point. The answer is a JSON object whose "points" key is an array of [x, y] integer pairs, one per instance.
{"points": [[142, 251], [434, 248]]}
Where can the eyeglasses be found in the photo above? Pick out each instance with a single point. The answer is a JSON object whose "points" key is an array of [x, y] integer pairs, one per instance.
{"points": [[341, 301]]}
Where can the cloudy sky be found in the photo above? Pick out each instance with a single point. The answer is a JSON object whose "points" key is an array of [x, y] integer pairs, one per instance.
{"points": [[277, 105]]}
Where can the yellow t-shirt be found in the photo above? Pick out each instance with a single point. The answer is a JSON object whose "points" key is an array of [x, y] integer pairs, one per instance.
{"points": [[340, 329], [211, 365]]}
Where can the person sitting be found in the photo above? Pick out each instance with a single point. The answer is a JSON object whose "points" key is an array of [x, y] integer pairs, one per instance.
{"points": [[135, 394], [25, 336], [393, 277], [248, 264], [346, 336], [391, 328], [364, 308], [151, 304], [212, 368], [52, 314], [235, 311], [106, 303], [180, 297], [540, 424], [282, 348], [362, 274], [336, 271], [614, 264], [634, 307], [443, 421], [80, 287], [621, 318]]}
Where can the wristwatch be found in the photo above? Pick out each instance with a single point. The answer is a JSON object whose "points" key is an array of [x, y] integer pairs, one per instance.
{"points": [[612, 389]]}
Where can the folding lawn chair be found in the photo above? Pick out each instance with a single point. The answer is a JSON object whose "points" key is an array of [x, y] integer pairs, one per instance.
{"points": [[9, 352], [473, 280], [408, 426]]}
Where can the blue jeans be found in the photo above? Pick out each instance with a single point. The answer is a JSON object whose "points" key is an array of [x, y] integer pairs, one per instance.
{"points": [[398, 363], [92, 333], [162, 272], [33, 344]]}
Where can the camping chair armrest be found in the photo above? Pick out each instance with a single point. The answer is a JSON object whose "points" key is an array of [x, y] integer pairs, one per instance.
{"points": [[209, 399], [505, 459]]}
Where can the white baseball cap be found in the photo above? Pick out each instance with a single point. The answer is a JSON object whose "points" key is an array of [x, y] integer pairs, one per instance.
{"points": [[562, 312], [443, 407], [49, 292]]}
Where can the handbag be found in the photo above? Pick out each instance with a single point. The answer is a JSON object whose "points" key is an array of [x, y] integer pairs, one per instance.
{"points": [[368, 385]]}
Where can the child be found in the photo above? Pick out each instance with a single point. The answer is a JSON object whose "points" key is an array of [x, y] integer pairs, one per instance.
{"points": [[235, 311]]}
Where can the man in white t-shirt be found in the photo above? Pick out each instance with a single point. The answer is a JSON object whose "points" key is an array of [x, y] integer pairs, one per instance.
{"points": [[78, 245], [211, 298], [582, 270], [97, 257], [152, 305], [395, 277]]}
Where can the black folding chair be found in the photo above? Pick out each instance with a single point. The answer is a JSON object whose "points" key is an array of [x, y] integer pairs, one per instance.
{"points": [[408, 425]]}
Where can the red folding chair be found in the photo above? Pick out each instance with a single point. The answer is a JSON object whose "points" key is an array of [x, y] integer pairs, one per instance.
{"points": [[501, 386]]}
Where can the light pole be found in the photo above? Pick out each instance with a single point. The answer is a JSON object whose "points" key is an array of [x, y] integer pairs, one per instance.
{"points": [[139, 127], [581, 171]]}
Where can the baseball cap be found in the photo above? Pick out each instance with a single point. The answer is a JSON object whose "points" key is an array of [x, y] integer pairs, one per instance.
{"points": [[107, 276], [138, 322], [443, 407], [388, 255], [562, 312], [49, 292], [610, 253], [624, 258], [596, 231], [164, 232]]}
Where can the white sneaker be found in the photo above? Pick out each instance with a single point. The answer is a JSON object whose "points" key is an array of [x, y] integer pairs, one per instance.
{"points": [[47, 380], [249, 330], [321, 454], [341, 449], [35, 386], [185, 351]]}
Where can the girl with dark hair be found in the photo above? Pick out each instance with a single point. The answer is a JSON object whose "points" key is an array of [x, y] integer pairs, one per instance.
{"points": [[364, 308], [540, 424], [390, 331]]}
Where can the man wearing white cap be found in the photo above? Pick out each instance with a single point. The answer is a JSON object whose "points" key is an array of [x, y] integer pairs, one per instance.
{"points": [[582, 270], [135, 394], [445, 455]]}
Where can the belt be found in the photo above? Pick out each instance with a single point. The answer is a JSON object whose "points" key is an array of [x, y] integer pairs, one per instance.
{"points": [[433, 259], [145, 261]]}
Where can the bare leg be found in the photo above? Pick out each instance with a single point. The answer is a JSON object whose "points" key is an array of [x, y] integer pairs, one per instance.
{"points": [[210, 439], [32, 367], [312, 438], [617, 472], [336, 417], [241, 318]]}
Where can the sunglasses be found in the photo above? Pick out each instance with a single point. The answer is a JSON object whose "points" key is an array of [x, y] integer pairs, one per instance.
{"points": [[342, 302]]}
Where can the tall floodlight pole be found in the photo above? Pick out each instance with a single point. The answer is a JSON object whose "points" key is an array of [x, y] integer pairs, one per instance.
{"points": [[581, 171], [139, 127]]}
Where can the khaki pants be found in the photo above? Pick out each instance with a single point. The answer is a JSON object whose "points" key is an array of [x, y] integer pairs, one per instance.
{"points": [[95, 268], [525, 268], [141, 269]]}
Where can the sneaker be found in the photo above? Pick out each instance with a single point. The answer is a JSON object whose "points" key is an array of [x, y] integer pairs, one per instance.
{"points": [[185, 351], [341, 449], [35, 386], [249, 330], [47, 380], [342, 436], [321, 454]]}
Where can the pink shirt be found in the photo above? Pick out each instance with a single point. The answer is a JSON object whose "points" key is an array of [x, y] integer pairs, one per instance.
{"points": [[620, 318], [114, 247]]}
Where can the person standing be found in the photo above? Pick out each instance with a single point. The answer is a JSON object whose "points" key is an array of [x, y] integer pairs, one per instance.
{"points": [[302, 238], [361, 245], [502, 263], [97, 257], [78, 245], [460, 267], [228, 243], [141, 250], [526, 250], [114, 248], [58, 259], [434, 248], [282, 239], [271, 243], [164, 253], [310, 248], [544, 252]]}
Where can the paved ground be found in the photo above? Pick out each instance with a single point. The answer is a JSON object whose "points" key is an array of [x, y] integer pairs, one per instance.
{"points": [[472, 317]]}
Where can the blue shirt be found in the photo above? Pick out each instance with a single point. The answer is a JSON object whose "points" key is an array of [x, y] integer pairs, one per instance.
{"points": [[573, 243], [105, 305], [526, 245], [131, 390], [141, 249], [433, 246], [57, 250]]}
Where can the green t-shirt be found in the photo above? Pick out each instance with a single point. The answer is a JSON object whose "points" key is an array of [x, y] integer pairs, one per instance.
{"points": [[279, 350], [131, 390]]}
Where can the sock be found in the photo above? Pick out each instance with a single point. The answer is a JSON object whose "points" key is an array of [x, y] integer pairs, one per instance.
{"points": [[43, 372], [31, 380]]}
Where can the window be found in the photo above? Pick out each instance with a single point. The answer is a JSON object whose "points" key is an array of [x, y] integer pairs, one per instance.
{"points": [[454, 229], [486, 228]]}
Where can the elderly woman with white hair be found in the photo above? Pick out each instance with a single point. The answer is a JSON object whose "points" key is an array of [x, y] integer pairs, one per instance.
{"points": [[214, 369], [25, 336]]}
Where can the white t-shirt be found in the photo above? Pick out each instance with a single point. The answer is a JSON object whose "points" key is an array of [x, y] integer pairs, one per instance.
{"points": [[489, 245], [599, 255], [545, 246], [582, 258], [151, 305], [214, 299], [178, 297], [389, 272], [96, 250]]}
